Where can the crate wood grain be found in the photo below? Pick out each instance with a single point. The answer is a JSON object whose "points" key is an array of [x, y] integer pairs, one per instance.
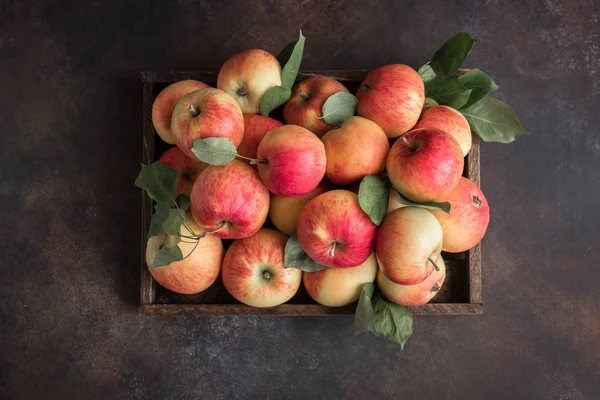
{"points": [[460, 294]]}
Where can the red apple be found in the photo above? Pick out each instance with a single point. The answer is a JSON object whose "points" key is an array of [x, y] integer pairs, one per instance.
{"points": [[393, 97], [254, 271], [469, 217], [338, 287], [255, 128], [295, 161], [230, 199], [188, 168], [247, 76], [304, 108], [206, 113], [284, 211], [199, 268], [164, 104], [425, 164], [413, 295], [450, 121], [334, 231], [408, 240], [356, 149]]}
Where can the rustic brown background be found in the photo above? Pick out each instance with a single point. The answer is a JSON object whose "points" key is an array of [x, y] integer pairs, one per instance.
{"points": [[70, 111]]}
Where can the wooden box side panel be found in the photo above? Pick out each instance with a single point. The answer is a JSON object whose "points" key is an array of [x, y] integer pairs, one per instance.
{"points": [[474, 261]]}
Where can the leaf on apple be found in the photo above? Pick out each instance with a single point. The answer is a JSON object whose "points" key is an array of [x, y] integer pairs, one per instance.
{"points": [[161, 213], [364, 317], [215, 150], [392, 321], [166, 256], [426, 73], [172, 224], [430, 103], [480, 83], [275, 97], [448, 92], [159, 181], [444, 206], [292, 66], [295, 257], [494, 121], [448, 59], [339, 107], [183, 202], [373, 196]]}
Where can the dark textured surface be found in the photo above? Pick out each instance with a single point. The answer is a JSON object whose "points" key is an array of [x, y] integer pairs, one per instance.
{"points": [[70, 149]]}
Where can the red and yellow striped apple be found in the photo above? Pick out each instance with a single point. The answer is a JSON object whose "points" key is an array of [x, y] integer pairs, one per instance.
{"points": [[188, 168], [450, 121], [255, 128]]}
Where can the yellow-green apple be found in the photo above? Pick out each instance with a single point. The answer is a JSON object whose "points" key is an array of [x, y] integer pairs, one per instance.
{"points": [[255, 128], [425, 164], [164, 104], [206, 113], [284, 211], [188, 168], [199, 268], [304, 108], [338, 287], [334, 231], [393, 97], [413, 295], [291, 161], [409, 245], [469, 217], [450, 121], [254, 270], [247, 76], [230, 200], [393, 203], [357, 148]]}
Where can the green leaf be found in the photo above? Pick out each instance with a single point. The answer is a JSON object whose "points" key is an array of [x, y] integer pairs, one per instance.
{"points": [[166, 256], [161, 213], [373, 196], [393, 321], [292, 66], [183, 202], [275, 97], [215, 150], [448, 59], [159, 181], [445, 206], [480, 83], [339, 107], [494, 121], [447, 91], [426, 73], [364, 317], [430, 103], [173, 223], [295, 257]]}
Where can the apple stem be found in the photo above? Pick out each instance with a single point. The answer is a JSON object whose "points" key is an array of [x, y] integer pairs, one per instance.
{"points": [[332, 249], [253, 161], [193, 110], [303, 95], [434, 264]]}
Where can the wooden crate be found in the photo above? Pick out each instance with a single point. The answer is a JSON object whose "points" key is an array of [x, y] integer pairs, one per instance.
{"points": [[460, 294]]}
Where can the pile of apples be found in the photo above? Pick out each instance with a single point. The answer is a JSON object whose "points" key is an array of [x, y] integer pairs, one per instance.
{"points": [[307, 177]]}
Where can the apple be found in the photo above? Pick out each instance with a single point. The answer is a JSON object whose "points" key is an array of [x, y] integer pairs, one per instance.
{"points": [[199, 268], [229, 201], [338, 287], [247, 76], [304, 108], [413, 295], [425, 164], [392, 96], [334, 231], [164, 104], [254, 271], [450, 121], [409, 245], [469, 217], [393, 203], [206, 113], [188, 168], [291, 161], [255, 128], [284, 211], [357, 148]]}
